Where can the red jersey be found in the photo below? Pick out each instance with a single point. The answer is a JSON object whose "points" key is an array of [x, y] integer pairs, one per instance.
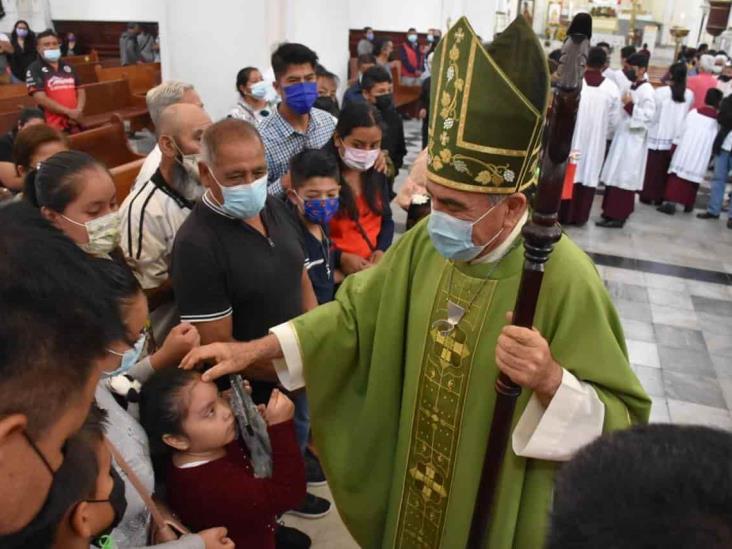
{"points": [[58, 84]]}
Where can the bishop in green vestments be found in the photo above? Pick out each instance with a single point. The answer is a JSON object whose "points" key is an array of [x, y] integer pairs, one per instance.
{"points": [[400, 368]]}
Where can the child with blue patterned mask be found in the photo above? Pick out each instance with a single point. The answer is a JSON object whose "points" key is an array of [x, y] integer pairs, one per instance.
{"points": [[314, 197], [315, 188]]}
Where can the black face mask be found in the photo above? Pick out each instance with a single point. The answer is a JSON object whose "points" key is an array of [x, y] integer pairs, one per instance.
{"points": [[630, 74], [327, 104], [725, 78], [384, 102], [118, 502]]}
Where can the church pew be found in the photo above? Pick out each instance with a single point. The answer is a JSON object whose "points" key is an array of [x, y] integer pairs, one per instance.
{"points": [[13, 90], [107, 143], [86, 72], [104, 99], [124, 177], [8, 104], [92, 57], [405, 97], [142, 77]]}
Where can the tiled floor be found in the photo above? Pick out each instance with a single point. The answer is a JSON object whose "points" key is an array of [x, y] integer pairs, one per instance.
{"points": [[670, 278]]}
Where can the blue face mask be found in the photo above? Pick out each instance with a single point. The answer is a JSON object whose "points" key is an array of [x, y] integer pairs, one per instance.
{"points": [[412, 38], [260, 89], [129, 357], [52, 55], [244, 201], [301, 97], [320, 210], [453, 237]]}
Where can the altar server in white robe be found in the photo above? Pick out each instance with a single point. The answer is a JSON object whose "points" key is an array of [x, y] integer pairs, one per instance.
{"points": [[597, 119], [625, 166], [691, 158], [673, 103], [619, 76]]}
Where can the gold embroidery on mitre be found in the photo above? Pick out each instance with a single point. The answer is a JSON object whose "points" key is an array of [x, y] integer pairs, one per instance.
{"points": [[449, 150]]}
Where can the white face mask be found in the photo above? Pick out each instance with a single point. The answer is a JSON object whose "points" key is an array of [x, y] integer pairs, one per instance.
{"points": [[103, 233]]}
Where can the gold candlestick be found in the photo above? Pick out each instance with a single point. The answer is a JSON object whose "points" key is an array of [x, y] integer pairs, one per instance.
{"points": [[633, 34], [679, 33]]}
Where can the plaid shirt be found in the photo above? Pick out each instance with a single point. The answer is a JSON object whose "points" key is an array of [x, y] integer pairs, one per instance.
{"points": [[282, 142]]}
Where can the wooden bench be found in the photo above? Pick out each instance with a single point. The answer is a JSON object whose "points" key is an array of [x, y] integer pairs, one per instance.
{"points": [[13, 104], [124, 177], [13, 90], [405, 97], [105, 99], [142, 77], [92, 57], [86, 72], [107, 143]]}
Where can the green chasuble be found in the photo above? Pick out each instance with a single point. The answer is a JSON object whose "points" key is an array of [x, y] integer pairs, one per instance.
{"points": [[401, 414]]}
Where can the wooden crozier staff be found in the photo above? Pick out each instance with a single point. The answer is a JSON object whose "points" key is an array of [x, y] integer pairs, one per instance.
{"points": [[540, 235]]}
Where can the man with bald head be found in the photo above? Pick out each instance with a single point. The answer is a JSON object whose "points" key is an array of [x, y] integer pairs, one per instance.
{"points": [[154, 211], [158, 99]]}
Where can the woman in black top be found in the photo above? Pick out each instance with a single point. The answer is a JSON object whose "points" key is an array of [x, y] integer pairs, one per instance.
{"points": [[23, 40]]}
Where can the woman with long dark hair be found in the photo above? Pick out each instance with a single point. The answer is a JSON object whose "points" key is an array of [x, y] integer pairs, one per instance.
{"points": [[363, 229], [23, 40], [673, 103]]}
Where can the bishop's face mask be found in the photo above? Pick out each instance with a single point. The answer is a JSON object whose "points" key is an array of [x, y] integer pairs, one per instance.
{"points": [[453, 237]]}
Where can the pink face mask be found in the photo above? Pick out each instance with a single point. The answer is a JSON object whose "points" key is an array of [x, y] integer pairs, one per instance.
{"points": [[359, 159]]}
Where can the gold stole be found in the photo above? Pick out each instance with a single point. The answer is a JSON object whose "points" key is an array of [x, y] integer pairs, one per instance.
{"points": [[443, 386]]}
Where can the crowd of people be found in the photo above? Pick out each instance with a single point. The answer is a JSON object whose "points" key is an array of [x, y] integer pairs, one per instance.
{"points": [[267, 210], [657, 143], [237, 226]]}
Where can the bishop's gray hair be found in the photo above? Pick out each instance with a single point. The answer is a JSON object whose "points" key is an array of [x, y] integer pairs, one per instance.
{"points": [[162, 96]]}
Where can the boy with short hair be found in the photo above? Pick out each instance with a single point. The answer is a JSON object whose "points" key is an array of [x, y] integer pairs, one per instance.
{"points": [[87, 498], [691, 157], [314, 198]]}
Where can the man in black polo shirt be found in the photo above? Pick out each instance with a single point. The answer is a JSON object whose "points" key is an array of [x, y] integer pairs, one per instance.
{"points": [[238, 265], [54, 85]]}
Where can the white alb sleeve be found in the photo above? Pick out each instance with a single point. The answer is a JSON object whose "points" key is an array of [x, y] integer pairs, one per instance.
{"points": [[289, 368], [573, 419]]}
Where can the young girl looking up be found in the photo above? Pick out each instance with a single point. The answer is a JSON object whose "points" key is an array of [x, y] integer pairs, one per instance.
{"points": [[208, 477], [363, 229], [124, 431], [76, 193]]}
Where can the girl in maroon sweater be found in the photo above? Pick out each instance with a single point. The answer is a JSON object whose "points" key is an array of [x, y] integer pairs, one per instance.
{"points": [[208, 477]]}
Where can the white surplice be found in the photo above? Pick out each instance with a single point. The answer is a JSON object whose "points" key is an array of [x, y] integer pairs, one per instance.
{"points": [[625, 166], [597, 119], [694, 147], [619, 78], [669, 118]]}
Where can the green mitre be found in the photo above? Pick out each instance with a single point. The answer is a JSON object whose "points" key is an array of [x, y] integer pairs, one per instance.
{"points": [[488, 106]]}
